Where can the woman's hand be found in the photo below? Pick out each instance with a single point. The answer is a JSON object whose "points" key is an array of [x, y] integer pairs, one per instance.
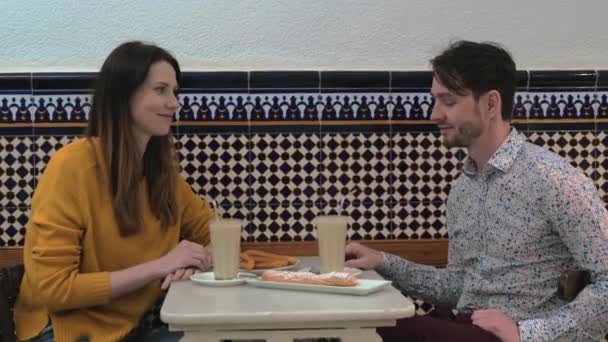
{"points": [[180, 274], [185, 273], [186, 254]]}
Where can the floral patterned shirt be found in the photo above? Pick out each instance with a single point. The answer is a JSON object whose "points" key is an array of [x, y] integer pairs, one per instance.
{"points": [[514, 228]]}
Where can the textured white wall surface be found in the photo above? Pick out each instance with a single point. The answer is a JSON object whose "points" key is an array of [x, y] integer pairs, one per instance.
{"points": [[61, 35]]}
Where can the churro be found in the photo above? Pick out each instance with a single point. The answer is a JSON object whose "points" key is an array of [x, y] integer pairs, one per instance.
{"points": [[256, 259], [330, 279]]}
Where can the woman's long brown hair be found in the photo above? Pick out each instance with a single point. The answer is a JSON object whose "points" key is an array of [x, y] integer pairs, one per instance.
{"points": [[123, 72]]}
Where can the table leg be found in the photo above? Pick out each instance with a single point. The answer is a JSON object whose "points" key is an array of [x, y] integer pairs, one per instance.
{"points": [[280, 338], [360, 335], [199, 338], [345, 335]]}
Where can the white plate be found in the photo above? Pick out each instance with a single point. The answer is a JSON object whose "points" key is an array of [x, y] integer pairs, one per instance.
{"points": [[208, 279], [354, 271], [315, 269], [259, 271], [363, 287]]}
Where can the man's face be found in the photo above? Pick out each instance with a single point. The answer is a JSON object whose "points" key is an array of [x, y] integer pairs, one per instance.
{"points": [[458, 117]]}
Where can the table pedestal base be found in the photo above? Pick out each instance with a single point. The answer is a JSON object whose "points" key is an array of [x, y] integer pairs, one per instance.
{"points": [[345, 335]]}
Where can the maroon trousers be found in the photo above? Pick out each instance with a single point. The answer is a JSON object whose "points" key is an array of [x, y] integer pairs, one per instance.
{"points": [[439, 325]]}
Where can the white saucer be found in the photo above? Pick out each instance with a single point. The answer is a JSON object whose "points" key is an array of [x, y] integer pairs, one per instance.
{"points": [[208, 279]]}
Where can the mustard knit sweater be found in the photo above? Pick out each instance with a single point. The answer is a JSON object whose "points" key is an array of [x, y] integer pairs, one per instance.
{"points": [[73, 243]]}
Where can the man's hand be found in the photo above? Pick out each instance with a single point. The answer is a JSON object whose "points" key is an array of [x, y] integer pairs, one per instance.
{"points": [[362, 257], [497, 323]]}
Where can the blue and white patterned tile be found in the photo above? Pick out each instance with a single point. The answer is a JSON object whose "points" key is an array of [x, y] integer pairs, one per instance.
{"points": [[283, 221], [212, 107], [560, 105], [45, 146], [521, 108], [368, 220], [243, 107], [579, 148], [16, 109], [12, 226], [418, 220], [285, 167], [354, 106], [355, 165], [601, 163], [410, 106], [60, 109], [16, 171], [215, 165], [423, 167], [284, 107], [301, 106], [600, 104]]}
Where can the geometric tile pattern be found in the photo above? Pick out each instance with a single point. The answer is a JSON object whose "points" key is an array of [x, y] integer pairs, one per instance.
{"points": [[283, 221], [73, 108], [16, 109], [215, 165], [16, 171], [602, 165], [579, 148], [540, 105], [355, 165], [422, 308], [280, 182], [45, 146], [368, 220], [423, 167], [418, 220], [600, 104], [409, 106], [396, 182], [12, 226], [284, 168]]}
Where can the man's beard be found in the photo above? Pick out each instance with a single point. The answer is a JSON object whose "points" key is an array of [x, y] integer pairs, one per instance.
{"points": [[467, 132]]}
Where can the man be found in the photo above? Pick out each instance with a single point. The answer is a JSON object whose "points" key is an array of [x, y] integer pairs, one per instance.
{"points": [[518, 217]]}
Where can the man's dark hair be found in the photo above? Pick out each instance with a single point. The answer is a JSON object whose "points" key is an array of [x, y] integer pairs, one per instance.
{"points": [[469, 67]]}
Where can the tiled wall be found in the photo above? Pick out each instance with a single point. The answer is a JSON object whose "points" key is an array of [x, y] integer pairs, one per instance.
{"points": [[279, 148]]}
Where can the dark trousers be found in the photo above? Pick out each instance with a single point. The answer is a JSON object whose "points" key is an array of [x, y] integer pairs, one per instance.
{"points": [[439, 325]]}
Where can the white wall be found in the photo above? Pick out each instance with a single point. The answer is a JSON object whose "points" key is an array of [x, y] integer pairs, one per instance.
{"points": [[60, 35]]}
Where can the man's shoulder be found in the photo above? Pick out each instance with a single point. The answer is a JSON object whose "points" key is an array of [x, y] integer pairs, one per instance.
{"points": [[540, 160], [459, 181], [548, 169]]}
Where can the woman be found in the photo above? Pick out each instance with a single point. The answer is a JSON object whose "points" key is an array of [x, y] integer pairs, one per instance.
{"points": [[110, 210]]}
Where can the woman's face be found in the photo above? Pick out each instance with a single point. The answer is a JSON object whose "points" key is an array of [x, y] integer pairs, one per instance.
{"points": [[154, 103]]}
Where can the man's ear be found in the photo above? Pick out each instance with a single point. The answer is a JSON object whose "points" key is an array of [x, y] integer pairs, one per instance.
{"points": [[494, 103]]}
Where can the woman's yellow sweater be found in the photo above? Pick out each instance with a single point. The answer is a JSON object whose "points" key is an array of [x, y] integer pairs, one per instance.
{"points": [[73, 243]]}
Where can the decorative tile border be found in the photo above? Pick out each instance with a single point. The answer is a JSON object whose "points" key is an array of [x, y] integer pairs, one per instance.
{"points": [[60, 98], [17, 110], [71, 110]]}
